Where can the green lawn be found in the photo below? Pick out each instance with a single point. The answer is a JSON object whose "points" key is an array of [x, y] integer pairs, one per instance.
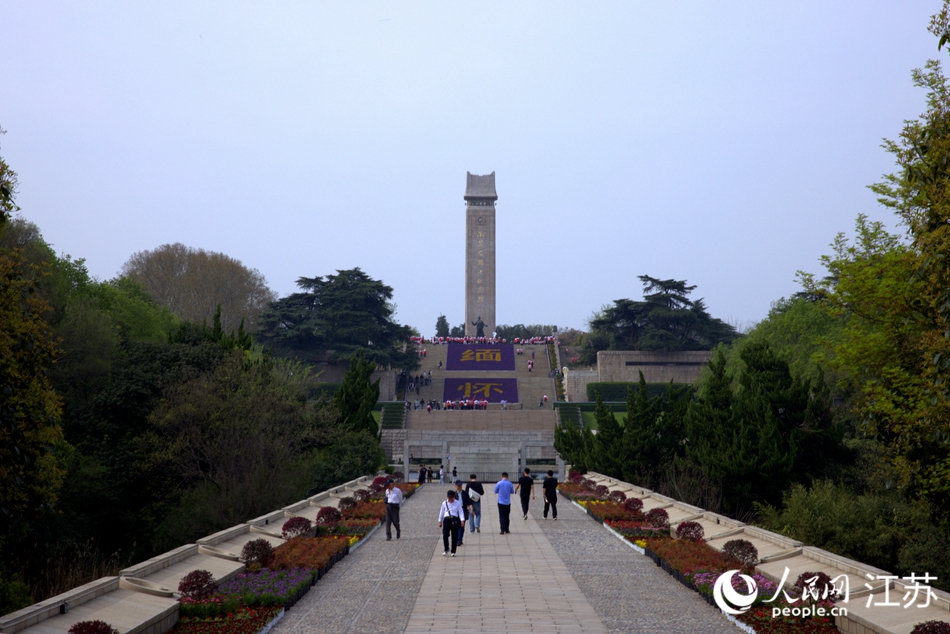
{"points": [[591, 423]]}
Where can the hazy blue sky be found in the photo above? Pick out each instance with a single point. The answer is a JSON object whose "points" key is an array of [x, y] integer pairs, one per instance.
{"points": [[724, 143]]}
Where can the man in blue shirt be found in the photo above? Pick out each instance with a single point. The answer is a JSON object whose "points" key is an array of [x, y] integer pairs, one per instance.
{"points": [[503, 489]]}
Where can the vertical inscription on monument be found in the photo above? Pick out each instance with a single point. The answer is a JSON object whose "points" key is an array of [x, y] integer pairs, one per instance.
{"points": [[480, 200]]}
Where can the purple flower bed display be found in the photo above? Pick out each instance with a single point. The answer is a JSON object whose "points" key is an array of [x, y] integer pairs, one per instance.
{"points": [[481, 358], [491, 390], [270, 587]]}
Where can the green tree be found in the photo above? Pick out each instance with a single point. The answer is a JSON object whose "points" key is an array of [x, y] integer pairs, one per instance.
{"points": [[353, 455], [666, 319], [457, 331], [31, 474], [336, 317], [605, 450], [441, 326], [357, 396], [239, 441]]}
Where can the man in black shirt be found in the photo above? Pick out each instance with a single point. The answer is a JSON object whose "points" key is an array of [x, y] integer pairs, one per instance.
{"points": [[549, 491], [475, 493], [526, 487]]}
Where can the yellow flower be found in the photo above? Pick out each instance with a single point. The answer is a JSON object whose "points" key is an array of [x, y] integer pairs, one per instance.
{"points": [[642, 543]]}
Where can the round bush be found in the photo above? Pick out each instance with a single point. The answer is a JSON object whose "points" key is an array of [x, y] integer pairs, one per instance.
{"points": [[617, 496], [346, 504], [658, 518], [931, 627], [634, 505], [574, 476], [398, 475], [295, 527], [92, 627], [362, 495], [258, 551], [742, 551], [197, 584], [328, 516], [815, 582], [690, 531], [380, 482], [602, 491]]}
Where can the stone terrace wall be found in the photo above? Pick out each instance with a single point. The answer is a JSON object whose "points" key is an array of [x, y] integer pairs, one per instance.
{"points": [[657, 367]]}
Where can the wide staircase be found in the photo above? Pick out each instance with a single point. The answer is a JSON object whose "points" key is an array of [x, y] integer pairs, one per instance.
{"points": [[532, 386]]}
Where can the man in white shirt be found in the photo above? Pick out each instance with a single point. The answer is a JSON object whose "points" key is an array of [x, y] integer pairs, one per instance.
{"points": [[393, 502], [450, 518]]}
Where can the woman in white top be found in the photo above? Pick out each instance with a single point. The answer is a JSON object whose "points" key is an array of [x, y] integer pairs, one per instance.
{"points": [[450, 518]]}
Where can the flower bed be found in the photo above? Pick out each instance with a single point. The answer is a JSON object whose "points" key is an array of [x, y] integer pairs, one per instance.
{"points": [[366, 510], [245, 620], [698, 565], [605, 510], [269, 587], [634, 530], [315, 553]]}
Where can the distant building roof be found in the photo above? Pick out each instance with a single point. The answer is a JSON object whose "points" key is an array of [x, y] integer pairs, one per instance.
{"points": [[480, 186]]}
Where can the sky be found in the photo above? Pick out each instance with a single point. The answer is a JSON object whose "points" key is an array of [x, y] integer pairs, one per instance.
{"points": [[722, 143]]}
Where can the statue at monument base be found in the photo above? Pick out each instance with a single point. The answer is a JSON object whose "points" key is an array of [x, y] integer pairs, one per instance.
{"points": [[479, 327]]}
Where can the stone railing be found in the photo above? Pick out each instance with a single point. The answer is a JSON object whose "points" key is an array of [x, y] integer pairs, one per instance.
{"points": [[869, 587], [143, 599]]}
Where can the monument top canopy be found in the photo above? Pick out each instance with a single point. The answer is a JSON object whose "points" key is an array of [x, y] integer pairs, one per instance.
{"points": [[480, 187]]}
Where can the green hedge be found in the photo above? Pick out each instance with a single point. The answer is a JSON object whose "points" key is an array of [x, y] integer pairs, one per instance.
{"points": [[618, 391]]}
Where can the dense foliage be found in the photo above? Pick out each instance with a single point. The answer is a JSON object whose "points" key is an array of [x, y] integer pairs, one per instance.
{"points": [[334, 318], [666, 319]]}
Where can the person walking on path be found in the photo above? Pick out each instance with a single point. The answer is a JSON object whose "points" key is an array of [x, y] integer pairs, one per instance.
{"points": [[422, 474], [393, 502], [503, 489], [450, 517], [475, 493], [441, 474], [462, 496], [526, 486], [549, 492]]}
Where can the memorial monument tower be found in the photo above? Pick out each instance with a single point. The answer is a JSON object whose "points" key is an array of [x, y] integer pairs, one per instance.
{"points": [[480, 200]]}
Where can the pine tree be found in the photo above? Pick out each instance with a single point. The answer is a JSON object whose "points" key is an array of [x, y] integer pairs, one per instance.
{"points": [[357, 396]]}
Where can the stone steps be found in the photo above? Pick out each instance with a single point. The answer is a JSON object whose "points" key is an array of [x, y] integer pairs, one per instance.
{"points": [[532, 386]]}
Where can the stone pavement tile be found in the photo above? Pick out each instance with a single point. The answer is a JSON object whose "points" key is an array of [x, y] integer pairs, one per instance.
{"points": [[502, 583], [627, 590], [373, 590]]}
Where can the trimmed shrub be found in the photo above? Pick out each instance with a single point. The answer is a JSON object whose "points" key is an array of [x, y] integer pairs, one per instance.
{"points": [[575, 477], [380, 482], [295, 527], [602, 490], [398, 475], [931, 627], [658, 518], [346, 504], [634, 505], [96, 627], [742, 551], [258, 551], [363, 495], [617, 391], [690, 531], [197, 584], [617, 496], [815, 586], [328, 516]]}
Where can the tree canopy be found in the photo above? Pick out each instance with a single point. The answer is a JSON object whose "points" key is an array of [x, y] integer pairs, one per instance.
{"points": [[334, 318], [192, 283], [666, 319]]}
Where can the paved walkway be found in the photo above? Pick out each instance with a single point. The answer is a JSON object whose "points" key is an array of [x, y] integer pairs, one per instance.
{"points": [[564, 576]]}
